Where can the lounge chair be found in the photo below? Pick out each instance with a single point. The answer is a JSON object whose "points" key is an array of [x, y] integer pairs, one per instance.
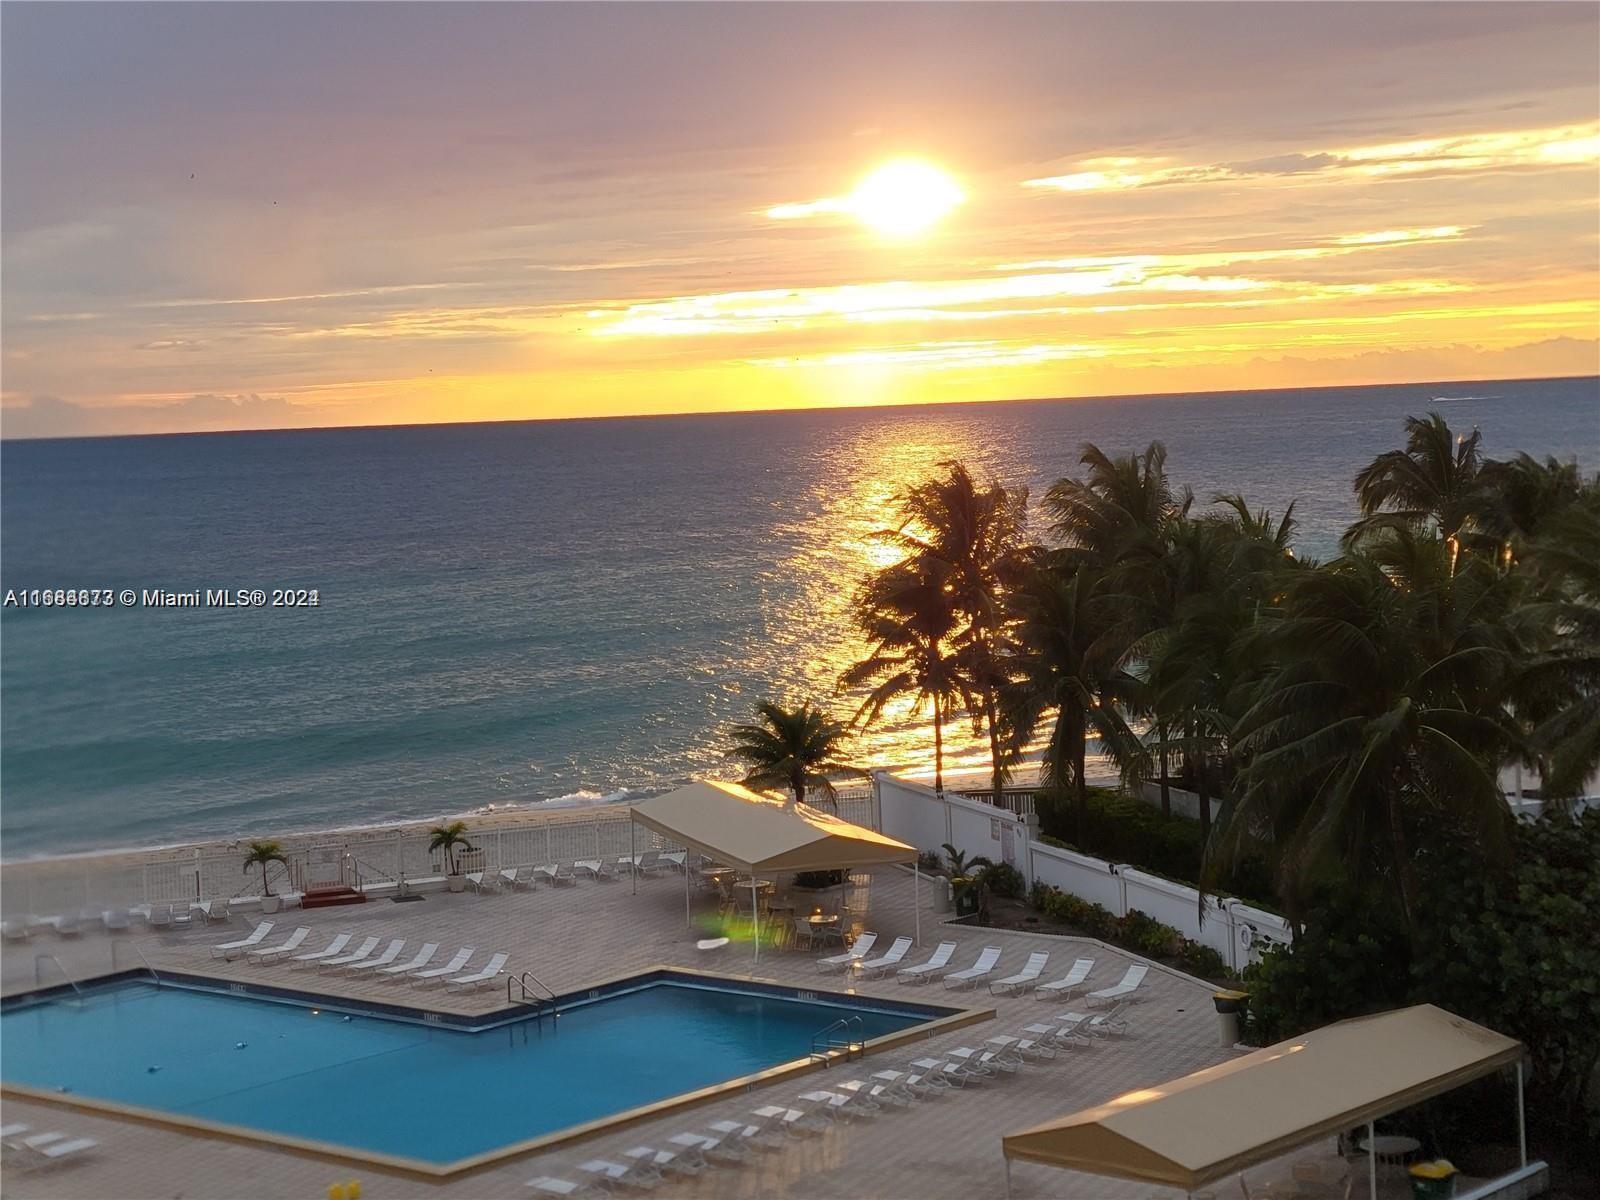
{"points": [[931, 969], [521, 877], [367, 946], [614, 1174], [15, 931], [884, 963], [265, 954], [834, 1105], [736, 1138], [219, 910], [902, 1087], [682, 1161], [66, 925], [483, 975], [160, 916], [1063, 1036], [1068, 983], [873, 1095], [45, 1149], [333, 948], [234, 949], [1023, 979], [782, 1120], [562, 873], [599, 868], [643, 863], [850, 957], [116, 920], [453, 967], [14, 1131], [985, 1062], [485, 881], [1126, 986], [1110, 1023], [549, 1185], [675, 860], [1020, 1050], [421, 959], [711, 1150], [978, 970], [390, 953], [943, 1074]]}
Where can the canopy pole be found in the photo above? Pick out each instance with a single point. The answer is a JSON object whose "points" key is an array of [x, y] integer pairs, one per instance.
{"points": [[916, 905], [1372, 1161], [1522, 1124], [1008, 1179], [633, 856], [755, 914], [688, 913]]}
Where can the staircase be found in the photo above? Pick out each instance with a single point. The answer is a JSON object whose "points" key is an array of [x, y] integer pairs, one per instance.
{"points": [[329, 878], [330, 895]]}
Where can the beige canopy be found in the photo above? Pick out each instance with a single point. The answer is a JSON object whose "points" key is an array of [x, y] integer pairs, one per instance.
{"points": [[734, 825], [1193, 1130]]}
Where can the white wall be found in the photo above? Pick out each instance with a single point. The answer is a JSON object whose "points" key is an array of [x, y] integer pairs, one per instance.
{"points": [[916, 814]]}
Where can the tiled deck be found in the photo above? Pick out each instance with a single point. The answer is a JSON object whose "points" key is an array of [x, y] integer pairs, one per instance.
{"points": [[575, 935]]}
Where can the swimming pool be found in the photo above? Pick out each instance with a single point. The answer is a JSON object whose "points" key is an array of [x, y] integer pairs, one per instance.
{"points": [[413, 1085]]}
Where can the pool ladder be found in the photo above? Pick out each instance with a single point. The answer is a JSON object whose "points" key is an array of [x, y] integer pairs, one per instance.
{"points": [[541, 997], [847, 1034], [39, 958]]}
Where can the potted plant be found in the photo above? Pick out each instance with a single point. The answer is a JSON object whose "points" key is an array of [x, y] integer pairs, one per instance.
{"points": [[262, 853], [968, 881], [451, 838]]}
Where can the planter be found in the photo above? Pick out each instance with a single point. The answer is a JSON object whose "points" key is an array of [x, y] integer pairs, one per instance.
{"points": [[966, 902], [456, 883], [271, 904]]}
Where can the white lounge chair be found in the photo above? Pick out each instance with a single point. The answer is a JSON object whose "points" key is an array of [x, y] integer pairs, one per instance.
{"points": [[549, 1185], [677, 1162], [218, 911], [978, 970], [332, 949], [484, 881], [943, 1074], [737, 1137], [835, 1105], [234, 949], [985, 1062], [711, 1150], [675, 860], [66, 925], [116, 920], [44, 1149], [598, 868], [782, 1120], [1020, 982], [884, 963], [265, 954], [1110, 1023], [521, 877], [614, 1174], [15, 931], [1126, 986], [160, 916], [850, 957], [1062, 1035], [1068, 983], [390, 953], [453, 967], [1024, 1049], [481, 976], [367, 946], [931, 969], [423, 957]]}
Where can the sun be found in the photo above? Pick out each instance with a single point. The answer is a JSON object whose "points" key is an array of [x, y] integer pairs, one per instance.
{"points": [[905, 197]]}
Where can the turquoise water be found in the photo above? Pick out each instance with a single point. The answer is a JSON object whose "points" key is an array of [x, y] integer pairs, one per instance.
{"points": [[521, 612], [400, 1088]]}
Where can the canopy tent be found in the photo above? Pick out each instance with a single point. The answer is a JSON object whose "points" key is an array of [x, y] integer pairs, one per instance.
{"points": [[740, 828], [1197, 1129]]}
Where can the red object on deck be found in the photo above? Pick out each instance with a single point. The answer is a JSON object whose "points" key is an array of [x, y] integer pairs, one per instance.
{"points": [[330, 895]]}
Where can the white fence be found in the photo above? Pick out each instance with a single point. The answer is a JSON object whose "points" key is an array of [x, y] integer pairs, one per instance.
{"points": [[918, 815]]}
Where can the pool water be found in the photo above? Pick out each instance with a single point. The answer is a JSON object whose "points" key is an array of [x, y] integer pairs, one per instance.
{"points": [[411, 1089]]}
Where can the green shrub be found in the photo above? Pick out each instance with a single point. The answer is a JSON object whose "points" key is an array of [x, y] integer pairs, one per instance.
{"points": [[1147, 935], [1200, 959], [1005, 880]]}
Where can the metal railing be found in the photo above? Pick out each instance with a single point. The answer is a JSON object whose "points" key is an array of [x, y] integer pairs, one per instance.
{"points": [[38, 958], [826, 1043], [540, 998], [116, 945], [1017, 801]]}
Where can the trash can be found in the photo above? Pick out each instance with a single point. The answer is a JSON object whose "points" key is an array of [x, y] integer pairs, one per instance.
{"points": [[944, 897], [1434, 1180], [1230, 1007], [966, 900]]}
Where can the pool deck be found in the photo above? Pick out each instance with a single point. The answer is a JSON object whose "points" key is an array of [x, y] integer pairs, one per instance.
{"points": [[577, 935]]}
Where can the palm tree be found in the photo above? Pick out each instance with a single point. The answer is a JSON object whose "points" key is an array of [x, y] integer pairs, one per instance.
{"points": [[452, 839], [262, 853], [1066, 671], [1433, 481], [1381, 703], [909, 618], [972, 540], [792, 748]]}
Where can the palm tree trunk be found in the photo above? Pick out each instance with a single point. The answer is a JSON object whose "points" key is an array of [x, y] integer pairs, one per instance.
{"points": [[1204, 798], [797, 785], [997, 771], [1402, 859], [1080, 754], [938, 746], [265, 889]]}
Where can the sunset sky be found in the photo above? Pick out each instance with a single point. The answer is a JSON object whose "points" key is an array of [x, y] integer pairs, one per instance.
{"points": [[247, 216]]}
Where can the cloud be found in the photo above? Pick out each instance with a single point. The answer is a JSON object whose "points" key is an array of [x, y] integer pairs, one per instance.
{"points": [[51, 416]]}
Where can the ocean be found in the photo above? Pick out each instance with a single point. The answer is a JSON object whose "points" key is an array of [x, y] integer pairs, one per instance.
{"points": [[542, 612]]}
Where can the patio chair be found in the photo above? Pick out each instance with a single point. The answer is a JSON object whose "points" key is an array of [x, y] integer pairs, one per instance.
{"points": [[596, 868], [333, 948], [712, 1149], [219, 911], [520, 877], [160, 916], [884, 963], [834, 1105], [850, 957], [116, 920], [675, 860], [390, 953], [1061, 1036], [1126, 986], [368, 945], [562, 873], [978, 970], [931, 969], [266, 954], [15, 931], [800, 930], [1068, 983], [613, 1174], [483, 975], [873, 1095], [421, 959], [783, 1121], [985, 1062], [681, 1161], [1110, 1023], [737, 1137], [485, 881], [1023, 979], [230, 950], [944, 1074], [66, 925], [453, 967]]}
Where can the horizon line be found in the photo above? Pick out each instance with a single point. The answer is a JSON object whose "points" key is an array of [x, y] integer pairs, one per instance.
{"points": [[762, 412]]}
